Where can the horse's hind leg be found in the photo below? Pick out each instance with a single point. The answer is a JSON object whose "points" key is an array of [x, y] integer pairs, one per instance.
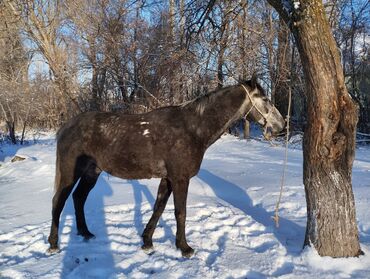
{"points": [[164, 192], [87, 182], [64, 182]]}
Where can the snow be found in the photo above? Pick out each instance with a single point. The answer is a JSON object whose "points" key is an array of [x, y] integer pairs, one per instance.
{"points": [[296, 5], [229, 224]]}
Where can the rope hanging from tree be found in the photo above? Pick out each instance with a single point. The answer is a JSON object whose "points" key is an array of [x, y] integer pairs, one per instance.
{"points": [[276, 216]]}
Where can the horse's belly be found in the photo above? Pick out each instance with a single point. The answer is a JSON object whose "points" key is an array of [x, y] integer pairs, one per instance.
{"points": [[144, 169]]}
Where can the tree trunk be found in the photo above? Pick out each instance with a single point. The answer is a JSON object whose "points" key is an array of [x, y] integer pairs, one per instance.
{"points": [[220, 64], [171, 21], [95, 100], [182, 24], [282, 83], [329, 139], [246, 130], [269, 43], [224, 34], [243, 39], [11, 129]]}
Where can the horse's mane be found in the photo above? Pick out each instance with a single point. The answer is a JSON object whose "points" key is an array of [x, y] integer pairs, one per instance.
{"points": [[202, 101], [251, 86]]}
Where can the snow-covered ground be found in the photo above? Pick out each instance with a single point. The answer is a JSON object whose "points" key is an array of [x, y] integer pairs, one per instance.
{"points": [[229, 223]]}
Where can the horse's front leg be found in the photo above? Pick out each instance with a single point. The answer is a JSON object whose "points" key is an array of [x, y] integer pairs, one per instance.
{"points": [[164, 192], [180, 193]]}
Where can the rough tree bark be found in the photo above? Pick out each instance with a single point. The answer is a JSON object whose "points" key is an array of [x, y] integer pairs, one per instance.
{"points": [[280, 95], [329, 139], [171, 20], [223, 37]]}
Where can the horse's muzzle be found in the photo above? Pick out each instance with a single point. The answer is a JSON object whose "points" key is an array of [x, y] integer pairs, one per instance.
{"points": [[272, 131], [267, 133]]}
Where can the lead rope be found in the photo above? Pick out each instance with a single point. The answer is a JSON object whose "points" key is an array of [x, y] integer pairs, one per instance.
{"points": [[253, 105], [276, 216]]}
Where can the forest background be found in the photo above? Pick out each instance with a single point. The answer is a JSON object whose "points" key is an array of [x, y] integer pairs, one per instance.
{"points": [[59, 58]]}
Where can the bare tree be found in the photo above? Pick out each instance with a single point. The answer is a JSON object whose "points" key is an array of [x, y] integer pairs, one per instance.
{"points": [[14, 62], [222, 38], [352, 33], [280, 94], [135, 55], [329, 140], [42, 21]]}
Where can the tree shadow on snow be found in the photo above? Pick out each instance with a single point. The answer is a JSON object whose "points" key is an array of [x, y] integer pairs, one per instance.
{"points": [[289, 234], [9, 151], [92, 258]]}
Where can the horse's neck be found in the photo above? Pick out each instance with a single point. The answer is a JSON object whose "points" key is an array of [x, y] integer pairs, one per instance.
{"points": [[215, 115]]}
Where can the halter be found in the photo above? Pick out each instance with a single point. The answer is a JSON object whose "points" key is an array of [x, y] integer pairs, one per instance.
{"points": [[254, 106]]}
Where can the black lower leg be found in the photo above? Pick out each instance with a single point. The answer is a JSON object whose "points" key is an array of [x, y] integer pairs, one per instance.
{"points": [[59, 200], [79, 198], [180, 193], [164, 192]]}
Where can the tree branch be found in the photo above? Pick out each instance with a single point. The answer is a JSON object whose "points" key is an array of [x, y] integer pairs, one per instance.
{"points": [[283, 8]]}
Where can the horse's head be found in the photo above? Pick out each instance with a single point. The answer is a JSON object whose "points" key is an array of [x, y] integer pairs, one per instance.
{"points": [[261, 110]]}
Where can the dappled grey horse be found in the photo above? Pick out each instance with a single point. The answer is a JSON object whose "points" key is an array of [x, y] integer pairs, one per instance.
{"points": [[167, 143]]}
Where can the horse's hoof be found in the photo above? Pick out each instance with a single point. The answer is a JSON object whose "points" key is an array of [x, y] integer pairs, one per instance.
{"points": [[188, 252], [52, 251], [86, 235], [148, 249], [89, 236]]}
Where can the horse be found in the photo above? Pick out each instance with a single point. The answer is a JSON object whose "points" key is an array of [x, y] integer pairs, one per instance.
{"points": [[167, 143]]}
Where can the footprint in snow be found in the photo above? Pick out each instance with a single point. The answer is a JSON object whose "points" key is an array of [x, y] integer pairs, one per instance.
{"points": [[215, 231]]}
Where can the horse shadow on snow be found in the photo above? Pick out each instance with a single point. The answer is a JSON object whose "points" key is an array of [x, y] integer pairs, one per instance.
{"points": [[289, 234], [96, 258], [141, 191], [100, 256]]}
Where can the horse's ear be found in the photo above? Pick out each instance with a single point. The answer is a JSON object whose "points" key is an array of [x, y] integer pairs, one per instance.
{"points": [[254, 80]]}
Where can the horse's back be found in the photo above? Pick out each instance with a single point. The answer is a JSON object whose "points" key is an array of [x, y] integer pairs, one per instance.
{"points": [[129, 146]]}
